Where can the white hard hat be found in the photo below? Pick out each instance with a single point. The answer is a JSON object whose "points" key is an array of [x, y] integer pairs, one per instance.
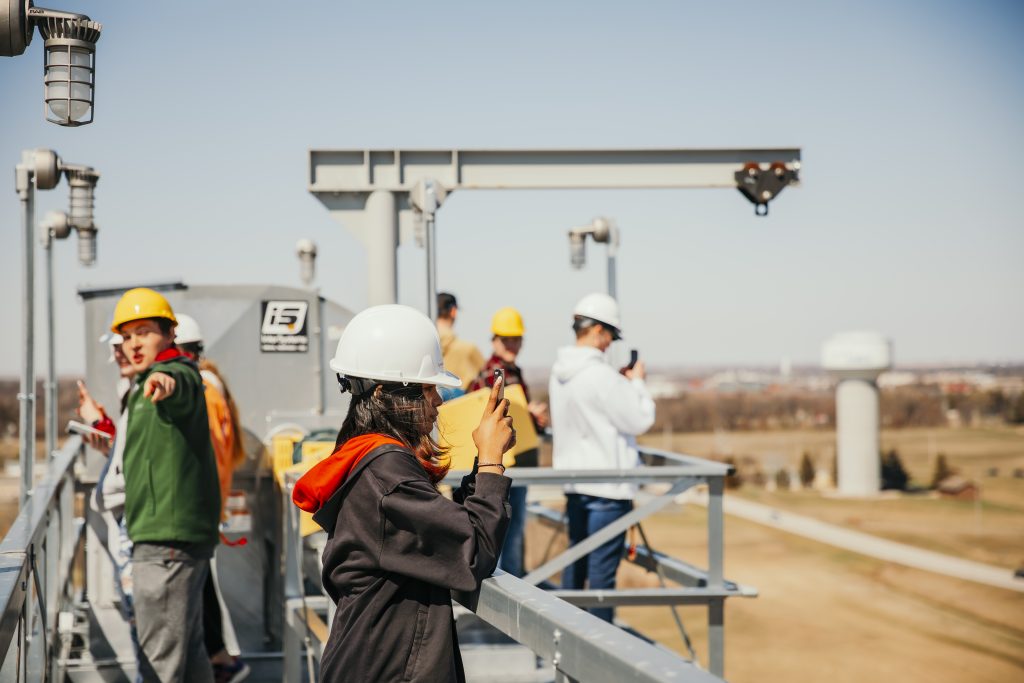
{"points": [[392, 343], [187, 331], [599, 307], [113, 339]]}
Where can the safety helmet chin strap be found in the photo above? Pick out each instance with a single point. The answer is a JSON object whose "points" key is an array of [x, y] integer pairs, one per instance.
{"points": [[356, 385]]}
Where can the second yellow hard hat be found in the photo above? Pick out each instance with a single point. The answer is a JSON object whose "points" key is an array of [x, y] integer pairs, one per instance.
{"points": [[507, 322]]}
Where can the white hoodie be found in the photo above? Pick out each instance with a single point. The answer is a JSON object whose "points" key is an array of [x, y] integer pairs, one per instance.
{"points": [[596, 415]]}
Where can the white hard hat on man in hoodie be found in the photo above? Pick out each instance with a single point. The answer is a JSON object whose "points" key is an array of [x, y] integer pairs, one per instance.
{"points": [[600, 308], [391, 343]]}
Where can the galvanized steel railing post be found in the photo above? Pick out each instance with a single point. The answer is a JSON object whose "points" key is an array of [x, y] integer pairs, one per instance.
{"points": [[716, 608]]}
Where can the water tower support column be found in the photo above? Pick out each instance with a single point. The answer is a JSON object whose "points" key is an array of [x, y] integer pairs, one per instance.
{"points": [[855, 360], [857, 437]]}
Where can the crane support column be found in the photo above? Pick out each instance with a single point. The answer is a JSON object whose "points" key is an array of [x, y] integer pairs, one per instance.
{"points": [[380, 235]]}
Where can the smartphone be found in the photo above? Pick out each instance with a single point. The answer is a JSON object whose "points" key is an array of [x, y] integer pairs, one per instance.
{"points": [[500, 374], [634, 356], [85, 430]]}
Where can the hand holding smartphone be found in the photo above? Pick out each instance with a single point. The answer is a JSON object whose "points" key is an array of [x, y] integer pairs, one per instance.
{"points": [[499, 380]]}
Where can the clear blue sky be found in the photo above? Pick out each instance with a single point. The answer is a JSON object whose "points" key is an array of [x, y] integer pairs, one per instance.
{"points": [[909, 220]]}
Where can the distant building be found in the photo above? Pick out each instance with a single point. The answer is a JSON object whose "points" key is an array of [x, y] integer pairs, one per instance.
{"points": [[958, 488]]}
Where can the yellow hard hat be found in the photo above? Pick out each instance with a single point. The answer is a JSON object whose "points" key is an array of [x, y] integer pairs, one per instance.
{"points": [[140, 303], [507, 323]]}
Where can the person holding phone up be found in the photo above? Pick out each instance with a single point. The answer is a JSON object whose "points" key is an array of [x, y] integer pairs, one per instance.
{"points": [[596, 413], [396, 547], [507, 331]]}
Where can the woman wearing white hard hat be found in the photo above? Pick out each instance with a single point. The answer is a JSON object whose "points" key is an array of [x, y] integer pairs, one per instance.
{"points": [[396, 547]]}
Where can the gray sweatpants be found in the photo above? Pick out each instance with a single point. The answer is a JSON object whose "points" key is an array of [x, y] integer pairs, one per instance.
{"points": [[169, 612]]}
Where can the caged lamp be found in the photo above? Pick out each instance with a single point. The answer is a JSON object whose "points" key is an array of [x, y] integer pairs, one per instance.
{"points": [[69, 56]]}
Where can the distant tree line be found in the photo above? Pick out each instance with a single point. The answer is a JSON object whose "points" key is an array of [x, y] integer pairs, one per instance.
{"points": [[894, 476], [918, 406]]}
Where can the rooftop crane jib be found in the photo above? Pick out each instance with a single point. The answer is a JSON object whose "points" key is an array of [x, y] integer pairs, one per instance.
{"points": [[380, 194]]}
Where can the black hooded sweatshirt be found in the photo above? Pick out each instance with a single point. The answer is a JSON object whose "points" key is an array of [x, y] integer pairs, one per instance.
{"points": [[396, 548]]}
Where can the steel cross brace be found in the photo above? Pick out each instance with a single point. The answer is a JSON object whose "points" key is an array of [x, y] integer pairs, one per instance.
{"points": [[594, 541]]}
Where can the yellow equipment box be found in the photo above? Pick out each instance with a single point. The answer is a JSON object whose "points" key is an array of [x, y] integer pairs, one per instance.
{"points": [[457, 419]]}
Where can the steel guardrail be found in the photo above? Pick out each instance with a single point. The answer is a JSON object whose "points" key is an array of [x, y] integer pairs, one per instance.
{"points": [[35, 564]]}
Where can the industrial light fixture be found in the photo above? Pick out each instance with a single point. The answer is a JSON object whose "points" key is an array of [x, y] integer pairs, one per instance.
{"points": [[602, 231], [305, 249], [69, 59], [41, 169], [82, 180]]}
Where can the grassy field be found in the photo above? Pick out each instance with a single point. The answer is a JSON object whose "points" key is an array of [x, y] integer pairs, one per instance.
{"points": [[972, 451], [989, 530], [829, 614]]}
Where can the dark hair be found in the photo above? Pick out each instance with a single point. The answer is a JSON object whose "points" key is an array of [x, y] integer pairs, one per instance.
{"points": [[193, 348], [581, 323], [445, 303], [398, 411], [165, 326]]}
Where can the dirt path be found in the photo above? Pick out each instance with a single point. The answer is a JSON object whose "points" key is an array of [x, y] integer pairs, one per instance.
{"points": [[866, 544], [829, 614]]}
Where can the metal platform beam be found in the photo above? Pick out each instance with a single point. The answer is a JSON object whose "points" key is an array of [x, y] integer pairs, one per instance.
{"points": [[367, 190]]}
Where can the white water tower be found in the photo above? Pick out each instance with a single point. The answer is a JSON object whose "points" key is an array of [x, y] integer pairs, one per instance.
{"points": [[856, 359]]}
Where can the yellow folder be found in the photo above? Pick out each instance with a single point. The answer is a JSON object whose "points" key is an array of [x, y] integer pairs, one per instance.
{"points": [[457, 419]]}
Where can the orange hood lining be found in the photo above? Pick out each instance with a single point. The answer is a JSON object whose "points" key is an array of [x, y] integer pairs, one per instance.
{"points": [[317, 485]]}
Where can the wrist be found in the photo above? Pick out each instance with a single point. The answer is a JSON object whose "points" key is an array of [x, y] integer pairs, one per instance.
{"points": [[497, 466]]}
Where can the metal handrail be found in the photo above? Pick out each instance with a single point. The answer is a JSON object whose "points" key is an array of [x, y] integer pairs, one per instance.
{"points": [[578, 645], [36, 557], [581, 646]]}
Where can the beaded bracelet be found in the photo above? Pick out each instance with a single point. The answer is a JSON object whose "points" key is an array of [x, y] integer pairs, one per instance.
{"points": [[493, 464]]}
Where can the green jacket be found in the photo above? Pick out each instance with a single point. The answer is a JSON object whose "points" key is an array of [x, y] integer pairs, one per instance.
{"points": [[171, 489]]}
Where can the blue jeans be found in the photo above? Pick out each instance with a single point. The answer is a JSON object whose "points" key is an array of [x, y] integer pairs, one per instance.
{"points": [[588, 515], [511, 559]]}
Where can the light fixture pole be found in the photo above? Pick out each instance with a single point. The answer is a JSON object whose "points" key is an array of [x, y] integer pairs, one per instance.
{"points": [[54, 227], [426, 198], [57, 225], [39, 169], [601, 230]]}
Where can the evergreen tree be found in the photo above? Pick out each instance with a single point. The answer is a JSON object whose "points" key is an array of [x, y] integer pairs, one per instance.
{"points": [[806, 470], [894, 476]]}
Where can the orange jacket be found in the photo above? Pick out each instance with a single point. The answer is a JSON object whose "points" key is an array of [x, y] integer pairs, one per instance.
{"points": [[222, 436]]}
